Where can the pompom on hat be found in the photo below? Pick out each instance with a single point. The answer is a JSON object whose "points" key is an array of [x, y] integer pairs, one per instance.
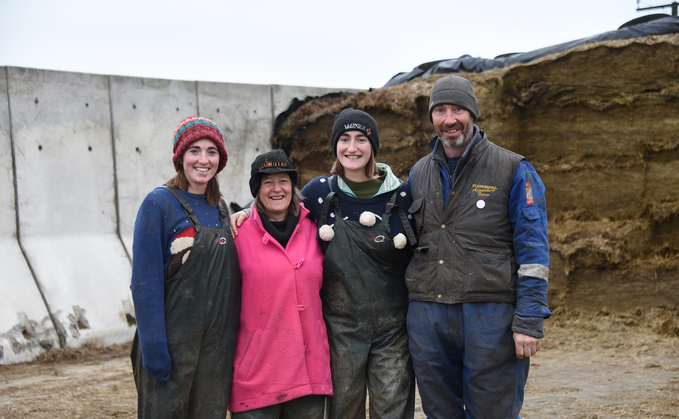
{"points": [[193, 129]]}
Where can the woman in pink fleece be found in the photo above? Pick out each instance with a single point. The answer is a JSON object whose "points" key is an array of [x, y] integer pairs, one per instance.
{"points": [[282, 363]]}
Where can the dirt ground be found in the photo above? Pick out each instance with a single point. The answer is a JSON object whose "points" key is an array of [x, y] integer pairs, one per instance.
{"points": [[592, 366]]}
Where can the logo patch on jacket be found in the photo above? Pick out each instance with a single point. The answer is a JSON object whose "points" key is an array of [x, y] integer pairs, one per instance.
{"points": [[483, 190], [378, 239], [529, 194]]}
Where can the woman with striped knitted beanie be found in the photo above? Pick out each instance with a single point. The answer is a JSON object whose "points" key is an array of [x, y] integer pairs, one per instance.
{"points": [[186, 284]]}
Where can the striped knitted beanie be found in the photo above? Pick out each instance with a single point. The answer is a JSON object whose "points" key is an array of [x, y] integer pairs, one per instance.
{"points": [[193, 129]]}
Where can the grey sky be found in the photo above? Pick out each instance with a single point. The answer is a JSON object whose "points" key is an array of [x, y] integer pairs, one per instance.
{"points": [[343, 44]]}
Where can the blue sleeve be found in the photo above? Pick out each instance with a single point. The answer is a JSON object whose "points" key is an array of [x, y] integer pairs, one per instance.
{"points": [[528, 216], [148, 289]]}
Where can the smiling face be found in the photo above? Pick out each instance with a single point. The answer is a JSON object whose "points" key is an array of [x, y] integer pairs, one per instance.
{"points": [[453, 125], [275, 194], [200, 163], [353, 152]]}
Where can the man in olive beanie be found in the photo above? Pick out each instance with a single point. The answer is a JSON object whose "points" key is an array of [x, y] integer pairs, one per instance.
{"points": [[454, 90], [477, 281]]}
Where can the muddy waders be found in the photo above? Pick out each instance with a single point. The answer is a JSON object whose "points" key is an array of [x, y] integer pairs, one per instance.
{"points": [[202, 311], [365, 303]]}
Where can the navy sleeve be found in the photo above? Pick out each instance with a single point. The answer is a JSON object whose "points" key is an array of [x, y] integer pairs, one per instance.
{"points": [[148, 292], [314, 194]]}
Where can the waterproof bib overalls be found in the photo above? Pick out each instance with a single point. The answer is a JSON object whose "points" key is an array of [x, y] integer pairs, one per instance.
{"points": [[202, 309], [365, 303]]}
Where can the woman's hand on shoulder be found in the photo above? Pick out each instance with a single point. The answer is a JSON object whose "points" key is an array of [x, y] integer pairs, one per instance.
{"points": [[236, 220]]}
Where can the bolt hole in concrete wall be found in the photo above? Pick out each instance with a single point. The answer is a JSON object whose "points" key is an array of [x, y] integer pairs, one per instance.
{"points": [[68, 262]]}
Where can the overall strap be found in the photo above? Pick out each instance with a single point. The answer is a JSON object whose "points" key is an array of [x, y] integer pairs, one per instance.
{"points": [[330, 198], [406, 226], [392, 201], [402, 215], [185, 205], [223, 211]]}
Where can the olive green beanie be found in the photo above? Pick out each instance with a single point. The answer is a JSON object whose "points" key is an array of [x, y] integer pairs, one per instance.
{"points": [[453, 90]]}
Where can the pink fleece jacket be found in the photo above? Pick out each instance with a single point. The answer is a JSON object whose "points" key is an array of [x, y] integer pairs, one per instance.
{"points": [[282, 348]]}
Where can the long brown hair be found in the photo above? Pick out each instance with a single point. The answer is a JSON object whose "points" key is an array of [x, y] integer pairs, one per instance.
{"points": [[212, 193]]}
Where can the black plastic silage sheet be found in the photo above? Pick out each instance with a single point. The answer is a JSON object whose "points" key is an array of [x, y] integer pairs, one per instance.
{"points": [[468, 64]]}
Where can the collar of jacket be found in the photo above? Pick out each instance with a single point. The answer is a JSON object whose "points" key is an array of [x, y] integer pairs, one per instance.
{"points": [[391, 182]]}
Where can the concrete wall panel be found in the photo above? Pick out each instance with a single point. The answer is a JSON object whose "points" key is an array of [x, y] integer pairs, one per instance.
{"points": [[87, 150], [145, 113], [25, 327], [61, 124], [243, 112]]}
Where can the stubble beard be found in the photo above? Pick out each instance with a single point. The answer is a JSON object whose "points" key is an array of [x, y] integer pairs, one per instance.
{"points": [[458, 146]]}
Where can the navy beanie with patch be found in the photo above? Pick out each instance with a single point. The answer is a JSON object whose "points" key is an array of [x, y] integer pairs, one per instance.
{"points": [[355, 120]]}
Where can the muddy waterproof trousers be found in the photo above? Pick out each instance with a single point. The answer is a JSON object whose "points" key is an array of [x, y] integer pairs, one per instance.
{"points": [[306, 407], [465, 360], [377, 360], [365, 303], [202, 312]]}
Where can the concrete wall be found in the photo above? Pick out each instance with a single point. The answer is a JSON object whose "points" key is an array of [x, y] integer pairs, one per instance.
{"points": [[78, 153], [24, 319]]}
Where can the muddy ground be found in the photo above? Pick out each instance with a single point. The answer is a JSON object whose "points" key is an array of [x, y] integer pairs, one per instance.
{"points": [[600, 365]]}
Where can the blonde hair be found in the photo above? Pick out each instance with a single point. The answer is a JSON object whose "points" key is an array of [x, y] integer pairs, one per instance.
{"points": [[370, 167]]}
